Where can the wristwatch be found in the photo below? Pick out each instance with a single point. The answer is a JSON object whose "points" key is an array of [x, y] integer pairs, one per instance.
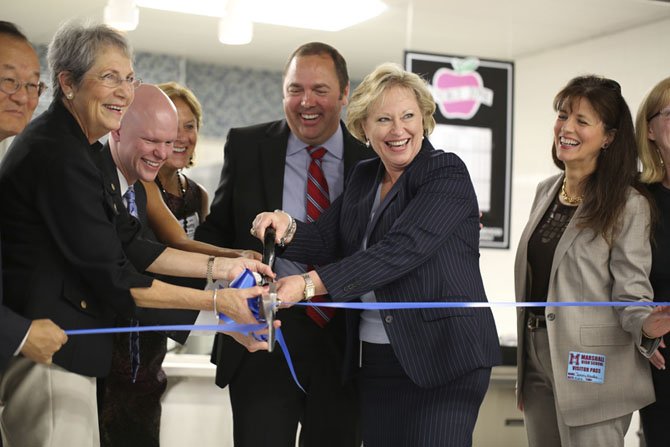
{"points": [[309, 287]]}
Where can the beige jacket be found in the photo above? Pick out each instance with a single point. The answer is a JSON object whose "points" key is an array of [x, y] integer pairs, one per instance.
{"points": [[586, 268]]}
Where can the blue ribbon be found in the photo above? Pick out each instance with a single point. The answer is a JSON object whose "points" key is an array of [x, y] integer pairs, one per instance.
{"points": [[246, 279]]}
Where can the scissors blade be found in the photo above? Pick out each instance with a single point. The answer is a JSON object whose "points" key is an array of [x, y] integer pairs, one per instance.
{"points": [[268, 311]]}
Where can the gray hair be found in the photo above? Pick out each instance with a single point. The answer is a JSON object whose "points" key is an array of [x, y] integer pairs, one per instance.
{"points": [[75, 47]]}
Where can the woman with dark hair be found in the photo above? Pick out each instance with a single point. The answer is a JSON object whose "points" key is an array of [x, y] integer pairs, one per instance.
{"points": [[653, 144], [582, 370]]}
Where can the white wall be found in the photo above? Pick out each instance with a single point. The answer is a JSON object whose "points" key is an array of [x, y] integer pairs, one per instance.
{"points": [[636, 58]]}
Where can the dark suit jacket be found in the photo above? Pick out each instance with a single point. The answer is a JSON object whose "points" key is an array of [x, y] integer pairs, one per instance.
{"points": [[423, 245], [62, 255], [252, 181], [13, 328]]}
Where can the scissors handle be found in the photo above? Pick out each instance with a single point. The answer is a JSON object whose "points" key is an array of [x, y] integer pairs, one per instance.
{"points": [[269, 247]]}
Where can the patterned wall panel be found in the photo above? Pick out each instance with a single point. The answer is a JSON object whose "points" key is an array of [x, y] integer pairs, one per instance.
{"points": [[230, 96]]}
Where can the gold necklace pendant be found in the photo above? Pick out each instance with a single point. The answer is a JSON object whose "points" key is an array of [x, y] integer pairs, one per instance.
{"points": [[569, 199]]}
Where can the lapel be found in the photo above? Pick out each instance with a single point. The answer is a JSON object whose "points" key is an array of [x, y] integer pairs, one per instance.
{"points": [[351, 153], [566, 241], [272, 156], [107, 166], [425, 151], [365, 207], [535, 216]]}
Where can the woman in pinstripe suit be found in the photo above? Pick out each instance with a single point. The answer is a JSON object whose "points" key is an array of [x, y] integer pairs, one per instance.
{"points": [[406, 228]]}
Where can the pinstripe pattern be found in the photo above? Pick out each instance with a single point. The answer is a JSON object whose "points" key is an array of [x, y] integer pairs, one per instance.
{"points": [[397, 412], [423, 245]]}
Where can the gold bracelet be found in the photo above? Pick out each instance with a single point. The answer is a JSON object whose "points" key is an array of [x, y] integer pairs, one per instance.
{"points": [[210, 268], [216, 313]]}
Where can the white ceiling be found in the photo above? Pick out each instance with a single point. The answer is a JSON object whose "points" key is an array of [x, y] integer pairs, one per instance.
{"points": [[498, 29]]}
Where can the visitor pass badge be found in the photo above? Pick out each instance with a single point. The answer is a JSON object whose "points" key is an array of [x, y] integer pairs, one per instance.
{"points": [[586, 367]]}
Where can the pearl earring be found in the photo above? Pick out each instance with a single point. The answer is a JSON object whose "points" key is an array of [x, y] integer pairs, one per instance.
{"points": [[69, 95]]}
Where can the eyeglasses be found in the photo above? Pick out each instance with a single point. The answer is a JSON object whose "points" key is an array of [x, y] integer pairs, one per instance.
{"points": [[665, 114], [11, 86], [112, 80]]}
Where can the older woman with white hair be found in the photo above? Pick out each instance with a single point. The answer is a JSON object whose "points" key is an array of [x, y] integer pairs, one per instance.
{"points": [[72, 254]]}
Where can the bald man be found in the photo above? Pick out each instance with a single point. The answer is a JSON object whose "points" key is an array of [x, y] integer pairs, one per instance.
{"points": [[20, 88], [129, 413]]}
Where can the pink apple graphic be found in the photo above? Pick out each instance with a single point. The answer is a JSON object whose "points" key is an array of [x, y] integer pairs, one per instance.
{"points": [[459, 92]]}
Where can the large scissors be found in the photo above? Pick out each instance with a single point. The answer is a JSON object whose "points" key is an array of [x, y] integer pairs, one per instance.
{"points": [[267, 310]]}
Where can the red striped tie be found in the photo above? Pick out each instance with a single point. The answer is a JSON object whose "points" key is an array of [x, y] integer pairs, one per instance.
{"points": [[318, 201]]}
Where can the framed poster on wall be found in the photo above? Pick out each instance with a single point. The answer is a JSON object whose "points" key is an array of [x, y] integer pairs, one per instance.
{"points": [[474, 120]]}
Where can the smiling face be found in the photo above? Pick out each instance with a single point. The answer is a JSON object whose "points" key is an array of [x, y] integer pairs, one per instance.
{"points": [[394, 127], [142, 144], [18, 61], [312, 98], [187, 137], [579, 135], [98, 108]]}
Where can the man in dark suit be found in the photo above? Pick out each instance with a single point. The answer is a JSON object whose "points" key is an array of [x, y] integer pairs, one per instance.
{"points": [[20, 88], [265, 167]]}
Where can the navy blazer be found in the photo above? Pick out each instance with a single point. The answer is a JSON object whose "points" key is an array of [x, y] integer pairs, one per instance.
{"points": [[423, 245]]}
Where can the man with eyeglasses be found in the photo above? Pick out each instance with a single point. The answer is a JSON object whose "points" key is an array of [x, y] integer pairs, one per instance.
{"points": [[20, 88]]}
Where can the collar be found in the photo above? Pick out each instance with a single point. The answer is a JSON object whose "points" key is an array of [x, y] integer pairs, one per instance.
{"points": [[334, 145], [123, 183]]}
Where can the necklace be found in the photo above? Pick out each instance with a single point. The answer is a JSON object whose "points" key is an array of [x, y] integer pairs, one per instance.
{"points": [[569, 199], [166, 198]]}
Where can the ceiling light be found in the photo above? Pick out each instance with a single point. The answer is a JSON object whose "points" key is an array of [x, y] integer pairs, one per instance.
{"points": [[211, 8], [316, 14], [122, 14], [324, 15], [235, 27]]}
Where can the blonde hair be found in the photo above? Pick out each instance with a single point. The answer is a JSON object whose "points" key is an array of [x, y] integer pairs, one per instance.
{"points": [[178, 91], [648, 151], [376, 84]]}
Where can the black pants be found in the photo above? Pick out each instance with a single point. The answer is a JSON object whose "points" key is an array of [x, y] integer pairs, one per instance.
{"points": [[267, 405], [398, 413], [654, 417]]}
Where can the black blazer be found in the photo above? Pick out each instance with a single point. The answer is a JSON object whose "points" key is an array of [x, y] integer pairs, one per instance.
{"points": [[13, 328], [252, 181], [62, 255], [423, 245]]}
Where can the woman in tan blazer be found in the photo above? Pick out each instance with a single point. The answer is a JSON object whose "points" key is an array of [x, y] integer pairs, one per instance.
{"points": [[582, 370]]}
